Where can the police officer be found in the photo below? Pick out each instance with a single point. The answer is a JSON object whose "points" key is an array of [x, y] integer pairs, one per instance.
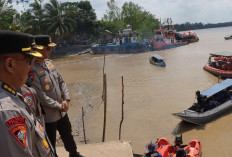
{"points": [[29, 93], [54, 96], [21, 134]]}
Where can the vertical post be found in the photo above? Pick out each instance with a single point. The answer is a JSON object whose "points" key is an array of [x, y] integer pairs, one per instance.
{"points": [[83, 125], [120, 127], [105, 105]]}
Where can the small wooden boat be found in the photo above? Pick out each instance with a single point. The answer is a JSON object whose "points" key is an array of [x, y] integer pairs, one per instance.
{"points": [[217, 101], [157, 60], [220, 64], [162, 148]]}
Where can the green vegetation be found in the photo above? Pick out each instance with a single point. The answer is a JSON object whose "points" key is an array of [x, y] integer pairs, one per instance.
{"points": [[76, 21]]}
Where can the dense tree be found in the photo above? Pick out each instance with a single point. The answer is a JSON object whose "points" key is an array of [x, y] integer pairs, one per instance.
{"points": [[34, 18], [6, 15], [56, 20]]}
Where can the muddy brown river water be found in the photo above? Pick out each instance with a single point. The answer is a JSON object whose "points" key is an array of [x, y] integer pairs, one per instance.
{"points": [[151, 95]]}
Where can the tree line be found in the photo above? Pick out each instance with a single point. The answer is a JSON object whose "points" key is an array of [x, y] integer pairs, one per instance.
{"points": [[192, 26]]}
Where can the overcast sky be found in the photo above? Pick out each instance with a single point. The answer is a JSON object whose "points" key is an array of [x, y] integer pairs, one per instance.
{"points": [[181, 11]]}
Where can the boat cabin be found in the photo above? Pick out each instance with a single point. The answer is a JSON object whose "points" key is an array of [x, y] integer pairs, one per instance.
{"points": [[221, 60]]}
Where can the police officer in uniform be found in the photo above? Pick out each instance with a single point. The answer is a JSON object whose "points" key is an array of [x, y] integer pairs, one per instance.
{"points": [[54, 96], [29, 93], [21, 134]]}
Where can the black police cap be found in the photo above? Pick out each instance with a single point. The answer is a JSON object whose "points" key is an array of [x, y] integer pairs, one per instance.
{"points": [[16, 42], [44, 40]]}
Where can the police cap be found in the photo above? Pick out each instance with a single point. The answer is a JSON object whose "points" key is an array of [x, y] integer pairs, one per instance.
{"points": [[34, 45], [16, 42], [44, 40]]}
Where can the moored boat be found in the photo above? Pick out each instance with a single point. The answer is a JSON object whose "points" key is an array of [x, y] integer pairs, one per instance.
{"points": [[190, 37], [220, 64], [217, 100], [166, 37], [124, 43], [157, 60]]}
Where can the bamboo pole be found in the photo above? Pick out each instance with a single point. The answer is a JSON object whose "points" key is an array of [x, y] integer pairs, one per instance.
{"points": [[120, 127], [83, 125], [105, 106]]}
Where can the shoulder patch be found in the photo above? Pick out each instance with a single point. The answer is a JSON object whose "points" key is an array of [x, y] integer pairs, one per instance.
{"points": [[20, 133], [15, 120], [28, 97], [31, 74]]}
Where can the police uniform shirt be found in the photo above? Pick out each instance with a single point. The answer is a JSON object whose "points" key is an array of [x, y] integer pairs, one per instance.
{"points": [[30, 97], [21, 134], [51, 89]]}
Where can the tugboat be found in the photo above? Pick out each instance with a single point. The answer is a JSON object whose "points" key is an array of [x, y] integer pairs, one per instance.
{"points": [[166, 37], [124, 43]]}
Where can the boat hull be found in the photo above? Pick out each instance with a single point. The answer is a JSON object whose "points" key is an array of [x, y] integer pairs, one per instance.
{"points": [[218, 72], [120, 49], [201, 118], [162, 46]]}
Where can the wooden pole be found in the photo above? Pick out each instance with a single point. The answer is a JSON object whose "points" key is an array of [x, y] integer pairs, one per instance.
{"points": [[83, 125], [105, 106], [120, 127]]}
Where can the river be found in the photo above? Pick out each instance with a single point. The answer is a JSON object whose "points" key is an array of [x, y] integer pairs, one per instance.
{"points": [[151, 95]]}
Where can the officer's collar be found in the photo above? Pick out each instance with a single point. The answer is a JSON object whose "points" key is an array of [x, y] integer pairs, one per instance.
{"points": [[8, 88]]}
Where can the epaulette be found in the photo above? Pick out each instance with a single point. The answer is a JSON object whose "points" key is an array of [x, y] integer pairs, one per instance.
{"points": [[8, 89]]}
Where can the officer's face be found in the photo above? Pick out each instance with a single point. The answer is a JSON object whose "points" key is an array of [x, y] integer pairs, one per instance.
{"points": [[17, 66], [46, 52]]}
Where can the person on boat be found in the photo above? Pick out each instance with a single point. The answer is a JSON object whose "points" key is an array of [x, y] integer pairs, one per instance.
{"points": [[228, 94], [200, 102], [151, 147]]}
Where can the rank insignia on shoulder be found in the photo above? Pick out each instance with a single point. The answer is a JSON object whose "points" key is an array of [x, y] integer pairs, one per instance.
{"points": [[20, 132], [28, 97], [15, 120], [8, 89]]}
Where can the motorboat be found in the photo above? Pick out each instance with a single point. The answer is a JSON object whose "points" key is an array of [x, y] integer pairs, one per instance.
{"points": [[220, 64], [157, 60], [228, 37], [216, 102], [163, 148], [190, 37]]}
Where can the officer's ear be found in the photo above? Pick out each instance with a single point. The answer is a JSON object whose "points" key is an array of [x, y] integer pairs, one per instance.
{"points": [[9, 64]]}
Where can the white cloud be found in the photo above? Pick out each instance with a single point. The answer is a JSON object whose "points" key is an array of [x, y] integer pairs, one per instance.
{"points": [[181, 11], [19, 7]]}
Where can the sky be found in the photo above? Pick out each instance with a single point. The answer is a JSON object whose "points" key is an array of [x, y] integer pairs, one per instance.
{"points": [[181, 11]]}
